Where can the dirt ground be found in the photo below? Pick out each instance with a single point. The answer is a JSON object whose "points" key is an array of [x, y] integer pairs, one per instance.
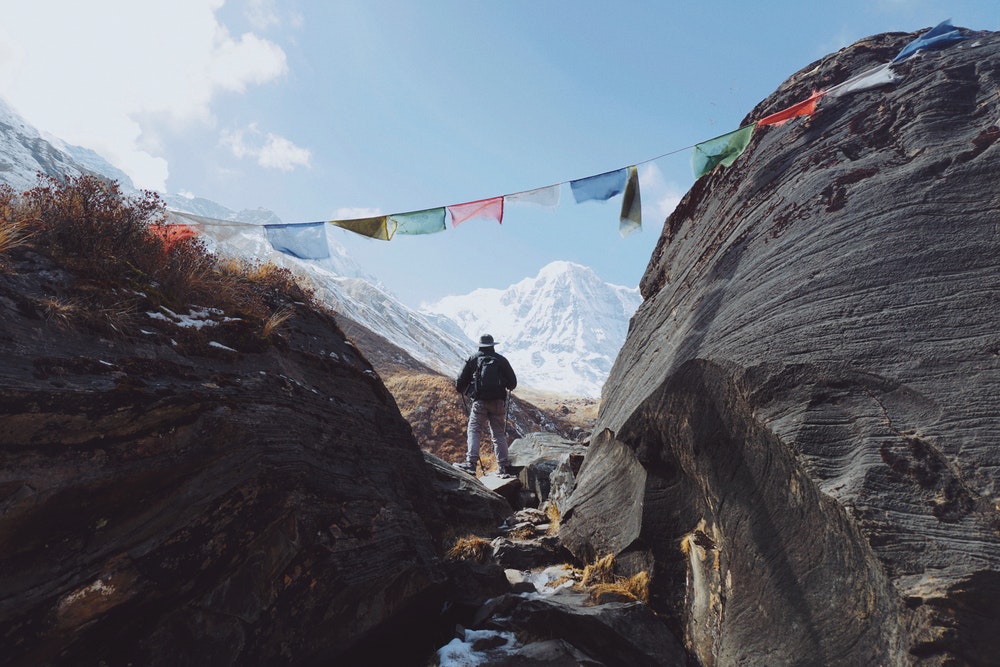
{"points": [[576, 410]]}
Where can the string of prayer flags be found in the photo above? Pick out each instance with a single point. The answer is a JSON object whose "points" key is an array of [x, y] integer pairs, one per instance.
{"points": [[377, 227], [879, 75], [600, 187], [427, 221], [722, 150], [305, 241], [547, 197], [804, 108], [940, 35], [308, 240], [491, 208], [631, 215]]}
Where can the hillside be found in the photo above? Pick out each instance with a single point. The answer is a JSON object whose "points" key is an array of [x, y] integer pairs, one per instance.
{"points": [[196, 465]]}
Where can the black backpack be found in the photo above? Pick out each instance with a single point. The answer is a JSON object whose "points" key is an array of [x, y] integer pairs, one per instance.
{"points": [[488, 382]]}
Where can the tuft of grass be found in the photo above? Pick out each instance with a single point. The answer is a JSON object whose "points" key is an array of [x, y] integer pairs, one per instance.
{"points": [[600, 571], [13, 233], [61, 312], [635, 587], [552, 512], [604, 585], [522, 533], [471, 547], [276, 319]]}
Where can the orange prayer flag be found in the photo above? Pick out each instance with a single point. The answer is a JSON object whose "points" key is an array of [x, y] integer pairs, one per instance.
{"points": [[804, 108]]}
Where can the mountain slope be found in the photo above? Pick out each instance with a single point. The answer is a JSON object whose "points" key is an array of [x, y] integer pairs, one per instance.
{"points": [[561, 329]]}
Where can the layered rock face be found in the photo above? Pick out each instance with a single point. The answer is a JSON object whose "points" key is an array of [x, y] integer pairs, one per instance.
{"points": [[167, 501], [801, 430]]}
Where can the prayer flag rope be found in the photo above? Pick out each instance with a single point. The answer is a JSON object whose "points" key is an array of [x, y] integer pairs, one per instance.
{"points": [[307, 240]]}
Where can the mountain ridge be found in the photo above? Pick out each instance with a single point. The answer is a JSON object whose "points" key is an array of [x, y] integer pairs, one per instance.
{"points": [[561, 329]]}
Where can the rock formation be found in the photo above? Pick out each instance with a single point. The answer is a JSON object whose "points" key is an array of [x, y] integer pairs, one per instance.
{"points": [[174, 495], [799, 436]]}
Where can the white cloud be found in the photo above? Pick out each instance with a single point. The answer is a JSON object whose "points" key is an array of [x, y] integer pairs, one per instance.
{"points": [[263, 14], [100, 73], [659, 198], [269, 150]]}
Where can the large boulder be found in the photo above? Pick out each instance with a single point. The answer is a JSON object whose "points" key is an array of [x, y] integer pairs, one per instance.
{"points": [[179, 496], [799, 435], [471, 507], [548, 465]]}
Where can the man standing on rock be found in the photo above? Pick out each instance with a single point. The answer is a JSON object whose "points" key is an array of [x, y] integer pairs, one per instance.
{"points": [[487, 377]]}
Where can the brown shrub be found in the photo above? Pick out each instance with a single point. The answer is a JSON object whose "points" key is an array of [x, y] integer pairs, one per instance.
{"points": [[115, 243], [470, 547]]}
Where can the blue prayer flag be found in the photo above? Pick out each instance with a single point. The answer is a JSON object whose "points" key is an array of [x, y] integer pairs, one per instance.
{"points": [[940, 35], [305, 241], [601, 187]]}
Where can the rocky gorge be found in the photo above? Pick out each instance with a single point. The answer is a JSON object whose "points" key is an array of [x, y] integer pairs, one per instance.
{"points": [[795, 453]]}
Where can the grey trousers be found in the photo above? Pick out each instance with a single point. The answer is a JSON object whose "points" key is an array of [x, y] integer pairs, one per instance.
{"points": [[495, 413]]}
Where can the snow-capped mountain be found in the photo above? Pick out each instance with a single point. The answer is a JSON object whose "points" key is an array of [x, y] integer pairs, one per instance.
{"points": [[561, 330], [24, 152]]}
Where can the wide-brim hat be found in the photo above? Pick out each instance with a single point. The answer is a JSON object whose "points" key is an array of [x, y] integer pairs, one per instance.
{"points": [[486, 340]]}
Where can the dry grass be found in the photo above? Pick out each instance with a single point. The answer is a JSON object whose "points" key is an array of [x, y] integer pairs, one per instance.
{"points": [[522, 533], [471, 547], [600, 571], [552, 512], [604, 585], [61, 312], [635, 587], [273, 322], [13, 234]]}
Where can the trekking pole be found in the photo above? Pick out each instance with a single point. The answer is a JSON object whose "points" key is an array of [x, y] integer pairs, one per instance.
{"points": [[506, 412]]}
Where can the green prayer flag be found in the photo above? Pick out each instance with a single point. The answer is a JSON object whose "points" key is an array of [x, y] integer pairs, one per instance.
{"points": [[722, 150], [377, 228], [631, 216], [428, 221]]}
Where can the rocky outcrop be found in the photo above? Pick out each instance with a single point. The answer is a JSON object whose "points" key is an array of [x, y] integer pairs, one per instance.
{"points": [[798, 437], [199, 495]]}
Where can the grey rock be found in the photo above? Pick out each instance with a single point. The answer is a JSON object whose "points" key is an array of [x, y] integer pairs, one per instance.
{"points": [[800, 431], [529, 554], [613, 634], [470, 506]]}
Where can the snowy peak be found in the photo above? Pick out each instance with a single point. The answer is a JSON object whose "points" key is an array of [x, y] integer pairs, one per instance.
{"points": [[561, 329], [24, 152]]}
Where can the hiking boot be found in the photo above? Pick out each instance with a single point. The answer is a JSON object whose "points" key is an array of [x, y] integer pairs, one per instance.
{"points": [[506, 471], [466, 467]]}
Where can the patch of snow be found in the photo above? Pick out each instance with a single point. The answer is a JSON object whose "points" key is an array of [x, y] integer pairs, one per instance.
{"points": [[544, 581], [461, 653], [220, 346]]}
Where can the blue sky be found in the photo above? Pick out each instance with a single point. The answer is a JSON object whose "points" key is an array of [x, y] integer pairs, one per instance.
{"points": [[332, 109]]}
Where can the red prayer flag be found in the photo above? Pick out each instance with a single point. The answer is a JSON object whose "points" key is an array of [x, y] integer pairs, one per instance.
{"points": [[171, 234], [804, 108], [482, 208]]}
